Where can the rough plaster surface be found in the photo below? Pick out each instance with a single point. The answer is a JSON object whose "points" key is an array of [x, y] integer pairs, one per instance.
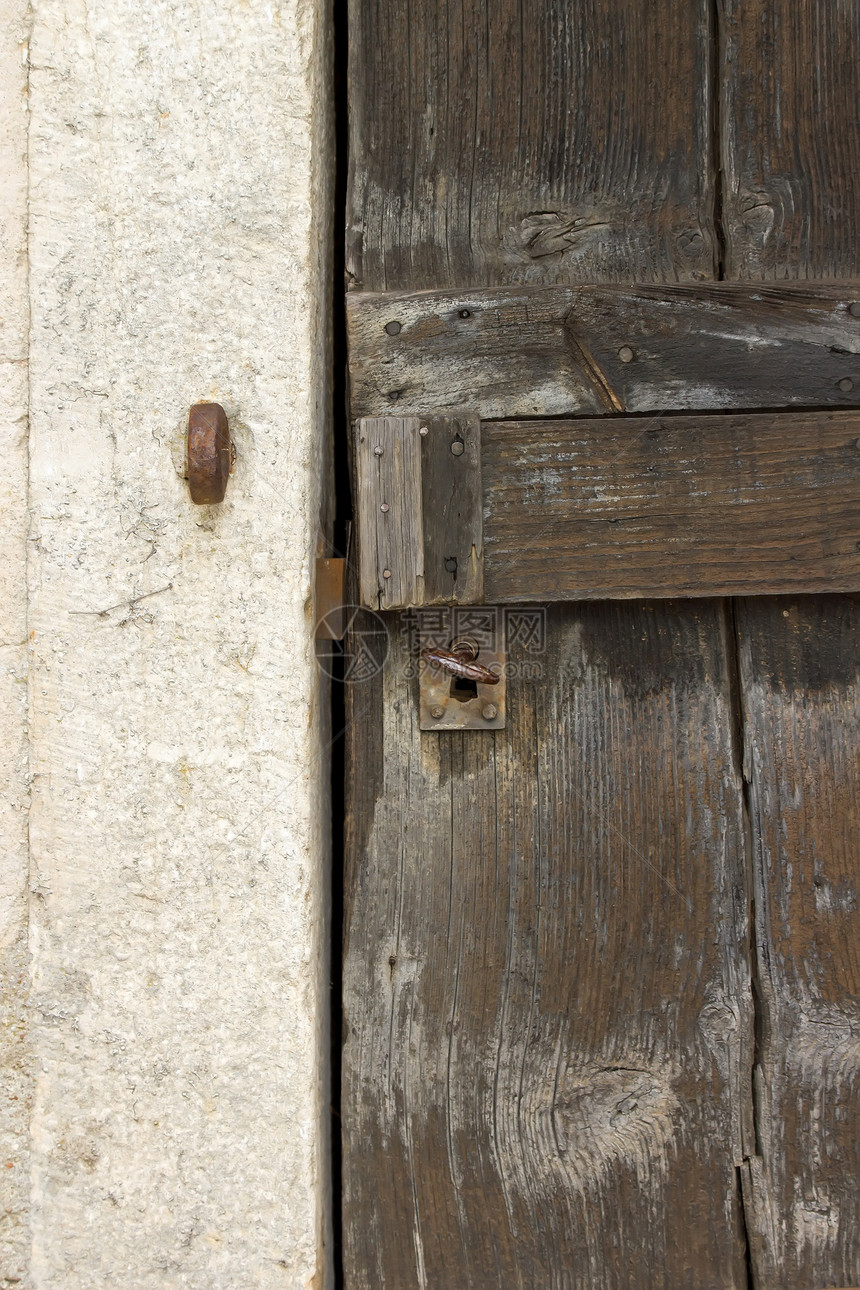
{"points": [[178, 233], [16, 1082]]}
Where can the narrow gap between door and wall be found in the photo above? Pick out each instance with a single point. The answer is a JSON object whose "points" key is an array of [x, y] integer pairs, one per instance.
{"points": [[342, 544]]}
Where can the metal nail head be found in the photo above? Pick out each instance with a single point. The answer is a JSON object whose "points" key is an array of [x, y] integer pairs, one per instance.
{"points": [[854, 309], [385, 508], [458, 447], [626, 354], [846, 384], [437, 712], [386, 573], [378, 450], [424, 430], [489, 712]]}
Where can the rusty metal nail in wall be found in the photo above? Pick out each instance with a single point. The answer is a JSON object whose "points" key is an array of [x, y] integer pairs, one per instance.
{"points": [[210, 453]]}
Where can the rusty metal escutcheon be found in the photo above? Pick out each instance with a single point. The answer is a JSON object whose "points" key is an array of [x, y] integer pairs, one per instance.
{"points": [[210, 453]]}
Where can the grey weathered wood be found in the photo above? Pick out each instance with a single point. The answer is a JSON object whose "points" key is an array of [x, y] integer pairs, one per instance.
{"points": [[390, 540], [559, 351], [672, 506], [548, 1022], [419, 511], [791, 143], [510, 356], [800, 669], [452, 501], [528, 142]]}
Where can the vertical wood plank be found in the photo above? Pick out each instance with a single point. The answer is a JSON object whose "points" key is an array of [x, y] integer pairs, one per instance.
{"points": [[791, 160], [499, 141], [390, 514], [452, 500], [546, 986], [800, 664], [546, 993], [791, 142]]}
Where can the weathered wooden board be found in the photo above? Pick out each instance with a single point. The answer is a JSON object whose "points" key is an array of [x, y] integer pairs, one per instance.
{"points": [[564, 351], [528, 141], [391, 544], [671, 506], [791, 143], [451, 500], [791, 211], [800, 669], [418, 506], [547, 1061], [547, 1009]]}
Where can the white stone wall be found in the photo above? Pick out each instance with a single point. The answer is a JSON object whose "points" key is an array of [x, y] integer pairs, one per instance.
{"points": [[16, 1083], [179, 229]]}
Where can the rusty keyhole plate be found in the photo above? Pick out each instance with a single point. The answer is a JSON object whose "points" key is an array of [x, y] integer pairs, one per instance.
{"points": [[440, 707]]}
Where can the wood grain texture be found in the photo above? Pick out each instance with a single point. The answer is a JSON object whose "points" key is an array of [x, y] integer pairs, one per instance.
{"points": [[501, 141], [451, 499], [547, 1008], [672, 506], [791, 138], [390, 514], [791, 160], [419, 510], [573, 351], [800, 668]]}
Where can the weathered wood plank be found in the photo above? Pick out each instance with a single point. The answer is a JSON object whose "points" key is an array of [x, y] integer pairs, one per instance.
{"points": [[791, 138], [791, 167], [800, 668], [546, 993], [517, 141], [563, 351], [451, 498], [671, 506], [546, 1073], [419, 510], [390, 514]]}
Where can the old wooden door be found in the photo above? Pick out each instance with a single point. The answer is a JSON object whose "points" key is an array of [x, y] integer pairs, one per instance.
{"points": [[602, 977]]}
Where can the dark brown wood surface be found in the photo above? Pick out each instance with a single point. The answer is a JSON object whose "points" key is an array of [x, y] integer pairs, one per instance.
{"points": [[501, 141], [791, 167], [573, 351], [671, 506], [791, 144], [800, 669], [547, 1003], [452, 500], [547, 999]]}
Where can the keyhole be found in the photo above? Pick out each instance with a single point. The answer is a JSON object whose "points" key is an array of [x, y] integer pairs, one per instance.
{"points": [[463, 690]]}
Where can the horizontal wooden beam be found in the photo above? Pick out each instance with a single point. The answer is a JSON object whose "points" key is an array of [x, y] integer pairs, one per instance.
{"points": [[579, 351], [621, 507]]}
